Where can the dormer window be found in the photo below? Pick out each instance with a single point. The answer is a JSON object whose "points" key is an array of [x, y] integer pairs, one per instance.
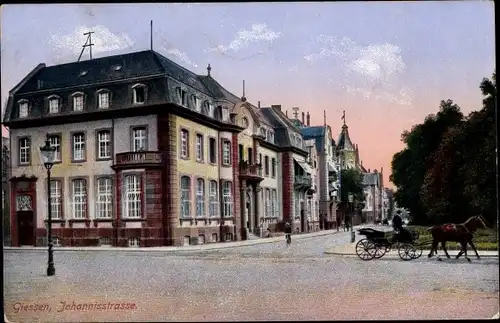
{"points": [[103, 99], [184, 98], [139, 93], [195, 102], [54, 104], [78, 101], [225, 114], [206, 108], [23, 108], [270, 137]]}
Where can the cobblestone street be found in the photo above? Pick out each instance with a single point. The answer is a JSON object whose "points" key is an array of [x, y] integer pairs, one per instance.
{"points": [[260, 282]]}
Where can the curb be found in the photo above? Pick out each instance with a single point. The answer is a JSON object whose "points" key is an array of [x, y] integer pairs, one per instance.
{"points": [[207, 247]]}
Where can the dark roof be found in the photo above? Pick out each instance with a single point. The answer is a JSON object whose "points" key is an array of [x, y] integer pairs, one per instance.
{"points": [[317, 133], [103, 69], [280, 130], [344, 141], [371, 179]]}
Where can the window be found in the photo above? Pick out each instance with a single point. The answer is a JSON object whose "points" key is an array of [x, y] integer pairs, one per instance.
{"points": [[103, 144], [139, 139], [23, 109], [274, 199], [56, 242], [199, 147], [56, 199], [105, 241], [212, 150], [104, 200], [55, 141], [139, 94], [179, 94], [201, 239], [103, 102], [266, 165], [271, 137], [213, 200], [79, 149], [267, 202], [226, 152], [184, 98], [78, 102], [134, 242], [187, 240], [225, 114], [184, 143], [79, 190], [200, 197], [132, 196], [185, 197], [196, 102], [273, 167], [54, 105], [228, 199], [24, 151]]}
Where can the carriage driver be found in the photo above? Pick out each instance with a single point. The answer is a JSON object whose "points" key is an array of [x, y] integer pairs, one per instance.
{"points": [[397, 225]]}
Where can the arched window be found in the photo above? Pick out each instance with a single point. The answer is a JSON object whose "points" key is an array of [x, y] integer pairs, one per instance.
{"points": [[185, 197], [200, 198]]}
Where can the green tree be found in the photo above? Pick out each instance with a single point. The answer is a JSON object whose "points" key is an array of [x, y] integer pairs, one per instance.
{"points": [[410, 165], [351, 182]]}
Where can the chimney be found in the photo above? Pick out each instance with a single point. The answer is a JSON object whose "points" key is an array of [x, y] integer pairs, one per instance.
{"points": [[303, 118], [375, 171], [368, 170], [382, 169], [276, 106], [258, 104], [286, 113], [308, 119]]}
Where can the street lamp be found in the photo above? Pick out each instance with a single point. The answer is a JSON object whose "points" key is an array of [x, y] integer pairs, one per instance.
{"points": [[48, 155], [351, 200]]}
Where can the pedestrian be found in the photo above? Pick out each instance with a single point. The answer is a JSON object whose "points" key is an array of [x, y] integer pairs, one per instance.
{"points": [[288, 232]]}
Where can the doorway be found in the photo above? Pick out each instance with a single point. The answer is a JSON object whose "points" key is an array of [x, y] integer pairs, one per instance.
{"points": [[25, 228]]}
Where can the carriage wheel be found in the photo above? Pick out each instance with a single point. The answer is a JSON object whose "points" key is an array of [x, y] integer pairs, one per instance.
{"points": [[416, 252], [365, 249], [405, 251], [381, 250]]}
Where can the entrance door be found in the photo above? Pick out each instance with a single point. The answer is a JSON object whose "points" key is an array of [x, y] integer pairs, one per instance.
{"points": [[25, 228]]}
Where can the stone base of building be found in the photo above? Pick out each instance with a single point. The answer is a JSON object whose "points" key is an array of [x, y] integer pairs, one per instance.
{"points": [[201, 235]]}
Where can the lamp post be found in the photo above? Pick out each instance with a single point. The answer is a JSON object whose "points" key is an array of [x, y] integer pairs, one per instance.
{"points": [[351, 200], [48, 154]]}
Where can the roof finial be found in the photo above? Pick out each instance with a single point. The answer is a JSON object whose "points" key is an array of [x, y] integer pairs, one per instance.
{"points": [[324, 118], [343, 117], [209, 69], [243, 97]]}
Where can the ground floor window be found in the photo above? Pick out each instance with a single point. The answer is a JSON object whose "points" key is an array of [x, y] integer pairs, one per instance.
{"points": [[214, 237], [105, 241], [201, 239], [134, 242], [187, 240]]}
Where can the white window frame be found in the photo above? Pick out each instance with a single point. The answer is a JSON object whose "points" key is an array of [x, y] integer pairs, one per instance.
{"points": [[184, 143], [212, 151], [227, 197], [103, 99], [185, 197], [55, 141], [79, 198], [104, 198], [54, 104], [195, 101], [24, 151], [56, 199], [139, 139], [267, 202], [134, 242], [135, 88], [79, 146], [199, 147], [104, 144], [213, 199], [78, 101], [200, 197], [184, 98], [24, 108], [226, 153], [132, 200]]}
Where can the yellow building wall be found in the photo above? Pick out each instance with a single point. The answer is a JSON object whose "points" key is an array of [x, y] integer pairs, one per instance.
{"points": [[245, 137]]}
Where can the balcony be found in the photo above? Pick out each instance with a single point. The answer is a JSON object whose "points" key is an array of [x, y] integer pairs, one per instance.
{"points": [[302, 182], [139, 159], [250, 172]]}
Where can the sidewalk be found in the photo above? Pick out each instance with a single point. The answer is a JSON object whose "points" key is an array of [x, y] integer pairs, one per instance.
{"points": [[210, 246], [350, 250]]}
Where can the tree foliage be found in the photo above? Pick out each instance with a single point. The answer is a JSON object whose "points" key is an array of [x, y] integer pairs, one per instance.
{"points": [[352, 182], [446, 173]]}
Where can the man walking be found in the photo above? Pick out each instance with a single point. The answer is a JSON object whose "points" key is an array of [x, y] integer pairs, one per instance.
{"points": [[288, 232]]}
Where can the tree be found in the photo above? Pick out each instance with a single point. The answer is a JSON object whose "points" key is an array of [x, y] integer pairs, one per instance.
{"points": [[411, 164], [351, 182]]}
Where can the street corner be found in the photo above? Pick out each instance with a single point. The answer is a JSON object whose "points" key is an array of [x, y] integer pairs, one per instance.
{"points": [[342, 250]]}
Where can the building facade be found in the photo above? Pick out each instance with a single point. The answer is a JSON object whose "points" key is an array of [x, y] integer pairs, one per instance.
{"points": [[149, 153], [5, 190]]}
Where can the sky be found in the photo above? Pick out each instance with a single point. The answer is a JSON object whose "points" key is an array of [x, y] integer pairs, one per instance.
{"points": [[386, 64]]}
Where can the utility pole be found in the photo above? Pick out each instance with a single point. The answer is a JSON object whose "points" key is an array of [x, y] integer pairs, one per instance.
{"points": [[88, 43]]}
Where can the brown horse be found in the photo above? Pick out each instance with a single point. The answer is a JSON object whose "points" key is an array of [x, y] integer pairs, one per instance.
{"points": [[461, 233]]}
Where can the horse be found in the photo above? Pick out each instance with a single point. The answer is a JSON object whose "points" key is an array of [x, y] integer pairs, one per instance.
{"points": [[461, 233]]}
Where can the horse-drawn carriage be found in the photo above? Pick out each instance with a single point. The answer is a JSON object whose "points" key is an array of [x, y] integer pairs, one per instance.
{"points": [[377, 243]]}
